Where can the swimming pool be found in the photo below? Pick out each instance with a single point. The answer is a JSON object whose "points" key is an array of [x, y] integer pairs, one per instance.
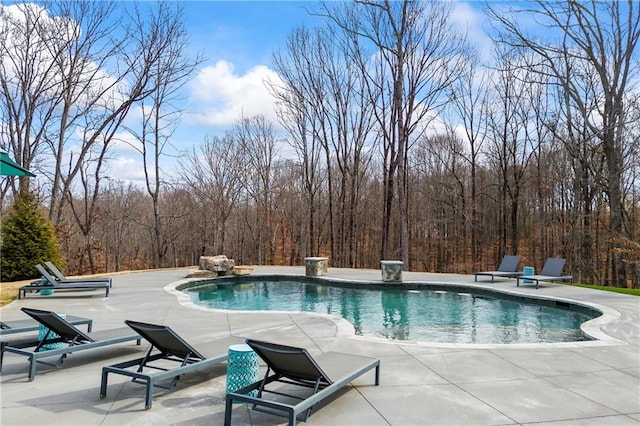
{"points": [[420, 313]]}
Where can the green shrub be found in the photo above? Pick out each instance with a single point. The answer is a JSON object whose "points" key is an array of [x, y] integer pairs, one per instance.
{"points": [[28, 238]]}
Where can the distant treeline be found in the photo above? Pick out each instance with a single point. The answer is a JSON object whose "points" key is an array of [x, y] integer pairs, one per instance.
{"points": [[405, 143]]}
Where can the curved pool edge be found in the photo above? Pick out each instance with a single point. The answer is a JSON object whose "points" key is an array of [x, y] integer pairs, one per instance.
{"points": [[344, 329]]}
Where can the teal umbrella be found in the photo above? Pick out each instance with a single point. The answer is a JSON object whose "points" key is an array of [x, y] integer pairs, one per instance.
{"points": [[8, 167]]}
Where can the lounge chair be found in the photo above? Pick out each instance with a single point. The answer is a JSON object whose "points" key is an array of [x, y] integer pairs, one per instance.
{"points": [[61, 278], [52, 284], [27, 325], [551, 271], [507, 269], [324, 375], [169, 348], [75, 339]]}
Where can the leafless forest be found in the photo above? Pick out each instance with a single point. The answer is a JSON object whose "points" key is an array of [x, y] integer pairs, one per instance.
{"points": [[402, 141]]}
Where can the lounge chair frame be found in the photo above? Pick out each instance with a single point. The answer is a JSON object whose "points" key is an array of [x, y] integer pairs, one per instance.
{"points": [[75, 339], [507, 269], [295, 366], [53, 284], [169, 346], [60, 277], [551, 271]]}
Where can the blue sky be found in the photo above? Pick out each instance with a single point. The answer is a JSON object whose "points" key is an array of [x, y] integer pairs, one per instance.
{"points": [[244, 32], [238, 39]]}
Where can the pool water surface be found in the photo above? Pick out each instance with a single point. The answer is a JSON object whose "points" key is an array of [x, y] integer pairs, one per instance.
{"points": [[398, 313]]}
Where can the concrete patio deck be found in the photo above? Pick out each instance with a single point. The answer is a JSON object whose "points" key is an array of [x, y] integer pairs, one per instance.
{"points": [[582, 383]]}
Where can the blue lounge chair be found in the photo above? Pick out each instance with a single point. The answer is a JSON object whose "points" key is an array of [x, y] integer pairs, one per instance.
{"points": [[73, 339], [324, 375], [551, 271], [168, 346], [507, 269]]}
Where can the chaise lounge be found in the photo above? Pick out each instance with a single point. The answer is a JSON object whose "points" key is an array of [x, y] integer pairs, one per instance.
{"points": [[551, 271], [507, 269], [53, 284], [324, 375], [61, 331], [26, 325], [60, 277], [170, 349]]}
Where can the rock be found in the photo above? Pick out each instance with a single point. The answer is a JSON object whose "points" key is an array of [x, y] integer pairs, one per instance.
{"points": [[202, 274], [242, 270], [220, 264]]}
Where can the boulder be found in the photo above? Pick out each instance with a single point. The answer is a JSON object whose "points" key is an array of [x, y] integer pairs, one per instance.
{"points": [[220, 264], [200, 273]]}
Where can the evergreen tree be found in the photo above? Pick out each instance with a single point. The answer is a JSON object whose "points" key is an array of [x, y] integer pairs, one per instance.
{"points": [[28, 238]]}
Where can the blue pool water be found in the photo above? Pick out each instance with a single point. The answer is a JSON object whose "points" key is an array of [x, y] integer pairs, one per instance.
{"points": [[399, 313]]}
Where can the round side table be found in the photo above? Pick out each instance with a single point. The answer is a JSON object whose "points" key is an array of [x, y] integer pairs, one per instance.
{"points": [[242, 368]]}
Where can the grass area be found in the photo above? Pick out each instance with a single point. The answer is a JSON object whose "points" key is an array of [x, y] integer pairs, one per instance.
{"points": [[631, 291], [9, 291]]}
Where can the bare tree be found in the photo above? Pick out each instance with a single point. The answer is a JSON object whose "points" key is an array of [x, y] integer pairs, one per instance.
{"points": [[417, 57], [172, 69], [259, 144], [30, 87], [328, 91], [214, 174], [603, 36], [299, 99], [469, 104], [124, 207]]}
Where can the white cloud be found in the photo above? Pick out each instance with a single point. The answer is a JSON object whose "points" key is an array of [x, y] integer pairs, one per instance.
{"points": [[127, 169], [124, 142], [473, 21], [219, 96]]}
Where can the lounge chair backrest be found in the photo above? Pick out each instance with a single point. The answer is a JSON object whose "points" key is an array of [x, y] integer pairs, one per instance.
{"points": [[289, 361], [553, 267], [509, 263], [57, 324], [46, 274], [59, 275], [165, 339]]}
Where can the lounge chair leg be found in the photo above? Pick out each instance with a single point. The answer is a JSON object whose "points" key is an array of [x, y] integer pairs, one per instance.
{"points": [[2, 345], [227, 410], [103, 384], [149, 397], [32, 368]]}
